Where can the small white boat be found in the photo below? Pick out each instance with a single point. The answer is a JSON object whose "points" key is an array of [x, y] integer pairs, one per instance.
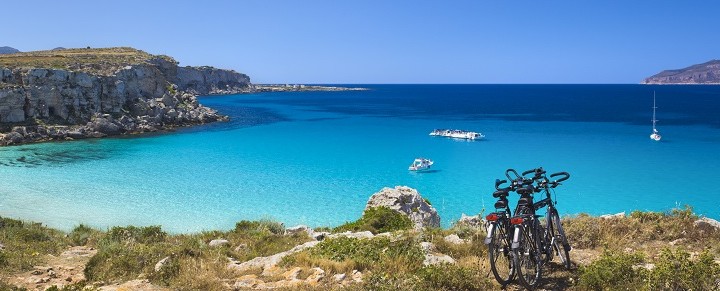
{"points": [[655, 135], [456, 133], [420, 164]]}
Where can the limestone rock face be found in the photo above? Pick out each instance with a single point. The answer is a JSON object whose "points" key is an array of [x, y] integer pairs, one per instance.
{"points": [[209, 80], [407, 201], [708, 223], [470, 221], [150, 96]]}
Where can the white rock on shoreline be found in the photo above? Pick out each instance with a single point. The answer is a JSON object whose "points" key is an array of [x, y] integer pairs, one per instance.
{"points": [[407, 201]]}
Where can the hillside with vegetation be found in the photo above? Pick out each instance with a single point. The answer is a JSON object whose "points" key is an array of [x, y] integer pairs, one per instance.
{"points": [[674, 250], [67, 94], [96, 61]]}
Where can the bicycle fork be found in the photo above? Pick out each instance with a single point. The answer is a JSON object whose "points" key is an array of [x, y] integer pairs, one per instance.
{"points": [[491, 226]]}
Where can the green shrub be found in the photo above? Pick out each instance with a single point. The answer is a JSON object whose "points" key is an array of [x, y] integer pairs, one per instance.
{"points": [[684, 213], [475, 245], [613, 271], [81, 234], [128, 234], [167, 273], [80, 286], [6, 286], [647, 216], [371, 253], [675, 271], [259, 226], [427, 201], [429, 278], [3, 259], [391, 281], [9, 222], [377, 220], [452, 277], [26, 244], [116, 261]]}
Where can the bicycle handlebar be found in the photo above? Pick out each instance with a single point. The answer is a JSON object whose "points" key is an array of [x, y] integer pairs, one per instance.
{"points": [[499, 182], [538, 172], [507, 174], [565, 175]]}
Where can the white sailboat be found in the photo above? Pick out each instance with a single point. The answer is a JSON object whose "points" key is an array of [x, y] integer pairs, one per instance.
{"points": [[655, 134]]}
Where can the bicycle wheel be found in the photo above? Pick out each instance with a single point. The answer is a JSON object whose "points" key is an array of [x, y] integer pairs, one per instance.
{"points": [[560, 243], [527, 258], [501, 263]]}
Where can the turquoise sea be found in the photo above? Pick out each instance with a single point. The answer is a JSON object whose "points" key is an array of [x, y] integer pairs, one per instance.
{"points": [[316, 157]]}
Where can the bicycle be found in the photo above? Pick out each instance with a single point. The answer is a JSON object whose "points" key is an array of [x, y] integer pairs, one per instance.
{"points": [[499, 231], [533, 243], [499, 236], [555, 239]]}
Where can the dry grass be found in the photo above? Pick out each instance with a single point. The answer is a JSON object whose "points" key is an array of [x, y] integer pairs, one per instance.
{"points": [[102, 61], [197, 274], [604, 251], [645, 231], [331, 267]]}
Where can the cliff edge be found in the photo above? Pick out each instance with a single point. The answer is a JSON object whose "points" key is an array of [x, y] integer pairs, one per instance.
{"points": [[81, 93], [705, 73]]}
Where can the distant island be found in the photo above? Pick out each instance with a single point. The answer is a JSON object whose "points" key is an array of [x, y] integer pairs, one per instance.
{"points": [[8, 50], [705, 73]]}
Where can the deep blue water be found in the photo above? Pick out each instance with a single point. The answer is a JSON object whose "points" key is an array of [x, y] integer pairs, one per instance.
{"points": [[316, 157]]}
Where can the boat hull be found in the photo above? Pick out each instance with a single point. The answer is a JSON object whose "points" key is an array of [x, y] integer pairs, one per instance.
{"points": [[454, 133]]}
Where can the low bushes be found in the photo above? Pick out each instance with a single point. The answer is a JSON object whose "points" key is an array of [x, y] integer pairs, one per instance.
{"points": [[673, 270], [126, 252], [377, 220], [585, 231], [26, 243]]}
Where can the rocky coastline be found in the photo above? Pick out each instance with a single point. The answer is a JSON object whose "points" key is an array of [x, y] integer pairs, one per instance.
{"points": [[90, 93], [300, 88], [71, 94]]}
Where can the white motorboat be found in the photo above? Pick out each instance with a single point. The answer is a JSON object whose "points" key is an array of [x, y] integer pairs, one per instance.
{"points": [[420, 164], [655, 135], [456, 133]]}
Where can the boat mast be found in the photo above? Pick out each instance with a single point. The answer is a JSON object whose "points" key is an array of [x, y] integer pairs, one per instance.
{"points": [[654, 107]]}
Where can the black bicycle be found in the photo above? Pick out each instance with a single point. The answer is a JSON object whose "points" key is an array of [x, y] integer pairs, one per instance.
{"points": [[534, 243], [499, 236], [554, 239]]}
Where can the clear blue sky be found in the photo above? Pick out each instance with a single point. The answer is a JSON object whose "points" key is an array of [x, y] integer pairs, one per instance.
{"points": [[385, 41]]}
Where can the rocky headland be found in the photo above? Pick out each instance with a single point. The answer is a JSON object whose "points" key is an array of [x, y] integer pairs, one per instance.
{"points": [[300, 88], [705, 73], [83, 93]]}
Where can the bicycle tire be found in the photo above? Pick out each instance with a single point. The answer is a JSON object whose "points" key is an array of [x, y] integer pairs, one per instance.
{"points": [[560, 244], [528, 258], [499, 252]]}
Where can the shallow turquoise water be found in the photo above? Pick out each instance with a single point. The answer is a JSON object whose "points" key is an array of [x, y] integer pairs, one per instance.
{"points": [[315, 158]]}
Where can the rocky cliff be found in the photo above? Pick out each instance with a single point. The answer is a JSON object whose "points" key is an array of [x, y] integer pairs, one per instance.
{"points": [[79, 93], [705, 73]]}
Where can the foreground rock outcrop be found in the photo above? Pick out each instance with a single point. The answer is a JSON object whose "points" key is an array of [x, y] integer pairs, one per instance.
{"points": [[705, 73], [407, 201], [82, 93]]}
